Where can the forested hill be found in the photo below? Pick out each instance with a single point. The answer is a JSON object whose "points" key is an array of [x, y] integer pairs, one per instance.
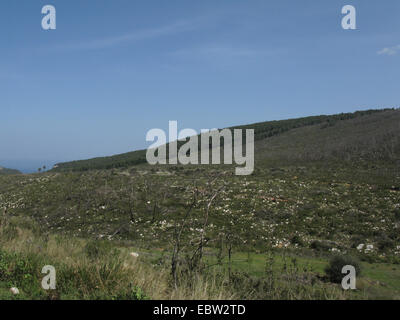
{"points": [[264, 131], [4, 171]]}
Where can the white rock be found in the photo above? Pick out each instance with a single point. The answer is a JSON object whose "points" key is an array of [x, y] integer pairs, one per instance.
{"points": [[134, 254], [14, 290]]}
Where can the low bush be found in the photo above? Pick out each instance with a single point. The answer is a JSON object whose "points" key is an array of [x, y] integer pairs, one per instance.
{"points": [[96, 249], [336, 264]]}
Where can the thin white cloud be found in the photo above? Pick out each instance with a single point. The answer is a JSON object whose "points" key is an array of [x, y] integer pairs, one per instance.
{"points": [[228, 51], [390, 51], [177, 27], [221, 51]]}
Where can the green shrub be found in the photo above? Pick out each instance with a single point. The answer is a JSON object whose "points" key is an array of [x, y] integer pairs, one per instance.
{"points": [[385, 243], [296, 239], [334, 269], [320, 246], [98, 249], [23, 272], [356, 240]]}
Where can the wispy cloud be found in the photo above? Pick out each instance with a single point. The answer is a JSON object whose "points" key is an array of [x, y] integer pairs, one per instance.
{"points": [[221, 51], [390, 51], [177, 27]]}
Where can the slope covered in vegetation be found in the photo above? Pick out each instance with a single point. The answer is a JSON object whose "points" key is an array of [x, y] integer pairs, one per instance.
{"points": [[369, 138], [4, 171], [318, 191], [263, 132]]}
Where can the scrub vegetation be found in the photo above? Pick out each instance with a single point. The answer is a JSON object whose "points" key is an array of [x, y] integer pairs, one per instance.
{"points": [[325, 191]]}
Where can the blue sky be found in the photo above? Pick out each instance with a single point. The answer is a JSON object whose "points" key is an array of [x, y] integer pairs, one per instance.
{"points": [[112, 70]]}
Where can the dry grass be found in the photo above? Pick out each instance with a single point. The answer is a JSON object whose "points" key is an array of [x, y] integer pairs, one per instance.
{"points": [[71, 253]]}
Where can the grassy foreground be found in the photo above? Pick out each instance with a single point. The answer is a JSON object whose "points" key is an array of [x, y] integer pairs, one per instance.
{"points": [[98, 269], [85, 269]]}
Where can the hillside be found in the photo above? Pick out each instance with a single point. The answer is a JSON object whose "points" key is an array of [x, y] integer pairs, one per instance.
{"points": [[371, 136], [6, 171], [264, 133], [322, 187]]}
